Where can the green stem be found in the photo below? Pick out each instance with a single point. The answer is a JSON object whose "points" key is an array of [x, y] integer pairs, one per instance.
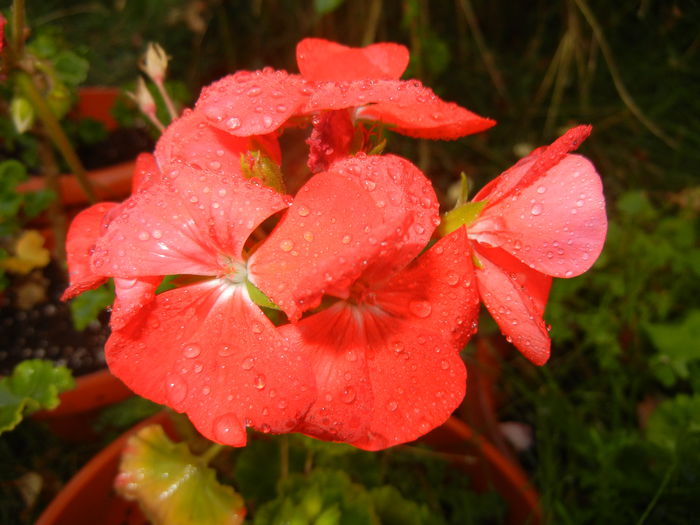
{"points": [[18, 27], [211, 453], [55, 132], [166, 98], [284, 457]]}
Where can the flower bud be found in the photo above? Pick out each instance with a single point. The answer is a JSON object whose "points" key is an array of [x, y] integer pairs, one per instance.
{"points": [[155, 63], [22, 114]]}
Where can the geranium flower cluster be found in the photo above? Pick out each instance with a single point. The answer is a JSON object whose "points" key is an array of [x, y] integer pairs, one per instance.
{"points": [[339, 309]]}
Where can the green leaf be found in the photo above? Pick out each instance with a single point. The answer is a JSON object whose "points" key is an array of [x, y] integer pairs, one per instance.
{"points": [[34, 385], [393, 509], [37, 201], [172, 486], [674, 421], [323, 497], [323, 7], [70, 68], [677, 345], [87, 306]]}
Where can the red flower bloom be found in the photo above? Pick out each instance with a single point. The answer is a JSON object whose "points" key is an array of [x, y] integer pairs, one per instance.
{"points": [[385, 356], [543, 218], [206, 349]]}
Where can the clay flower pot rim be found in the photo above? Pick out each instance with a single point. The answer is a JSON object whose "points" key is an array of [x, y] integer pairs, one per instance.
{"points": [[90, 490]]}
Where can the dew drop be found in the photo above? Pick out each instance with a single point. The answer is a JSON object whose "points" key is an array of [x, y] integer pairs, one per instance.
{"points": [[303, 211], [348, 395], [308, 236], [536, 209], [229, 430], [444, 364], [286, 245], [256, 328], [233, 123], [157, 234], [541, 189], [144, 236], [192, 350], [392, 406], [225, 351], [176, 390], [247, 363], [346, 239], [452, 279], [420, 309], [259, 382]]}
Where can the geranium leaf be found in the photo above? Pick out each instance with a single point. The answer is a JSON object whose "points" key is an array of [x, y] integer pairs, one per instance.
{"points": [[172, 485], [33, 385]]}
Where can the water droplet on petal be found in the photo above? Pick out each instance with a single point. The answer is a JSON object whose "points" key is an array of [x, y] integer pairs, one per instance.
{"points": [[444, 364], [259, 382], [536, 209], [420, 309], [229, 430], [346, 239], [247, 363], [541, 189], [286, 245], [233, 123], [392, 406], [256, 328], [192, 350], [176, 390], [144, 236], [452, 279], [303, 211], [225, 351], [348, 395]]}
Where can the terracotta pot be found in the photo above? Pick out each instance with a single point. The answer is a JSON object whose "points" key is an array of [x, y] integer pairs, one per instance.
{"points": [[96, 102], [89, 497], [79, 406]]}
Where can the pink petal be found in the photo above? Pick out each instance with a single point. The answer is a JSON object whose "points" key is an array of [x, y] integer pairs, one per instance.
{"points": [[206, 350], [557, 225], [408, 106], [253, 102], [320, 59], [388, 369], [146, 172], [529, 169], [83, 233], [193, 141], [368, 215], [194, 222], [515, 295]]}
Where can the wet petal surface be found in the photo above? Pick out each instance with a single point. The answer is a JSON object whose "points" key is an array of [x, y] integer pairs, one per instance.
{"points": [[208, 351]]}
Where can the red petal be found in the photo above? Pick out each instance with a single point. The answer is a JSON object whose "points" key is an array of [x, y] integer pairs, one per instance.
{"points": [[191, 140], [146, 172], [410, 107], [388, 371], [206, 350], [253, 102], [557, 225], [320, 59], [132, 295], [368, 215], [529, 169], [82, 236], [330, 139], [515, 295], [195, 222]]}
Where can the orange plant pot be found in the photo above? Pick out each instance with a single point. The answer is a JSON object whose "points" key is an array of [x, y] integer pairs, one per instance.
{"points": [[89, 497]]}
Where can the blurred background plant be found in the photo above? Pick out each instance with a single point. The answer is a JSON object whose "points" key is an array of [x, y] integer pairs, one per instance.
{"points": [[615, 414]]}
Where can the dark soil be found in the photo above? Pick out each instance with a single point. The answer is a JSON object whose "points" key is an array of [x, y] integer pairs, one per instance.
{"points": [[45, 331]]}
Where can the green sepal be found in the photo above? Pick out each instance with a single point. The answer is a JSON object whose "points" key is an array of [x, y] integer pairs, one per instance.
{"points": [[256, 164], [172, 485], [87, 306], [34, 385], [258, 297], [461, 216]]}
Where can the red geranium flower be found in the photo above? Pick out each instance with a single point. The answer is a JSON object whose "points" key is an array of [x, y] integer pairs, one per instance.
{"points": [[542, 218], [385, 355], [206, 349]]}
